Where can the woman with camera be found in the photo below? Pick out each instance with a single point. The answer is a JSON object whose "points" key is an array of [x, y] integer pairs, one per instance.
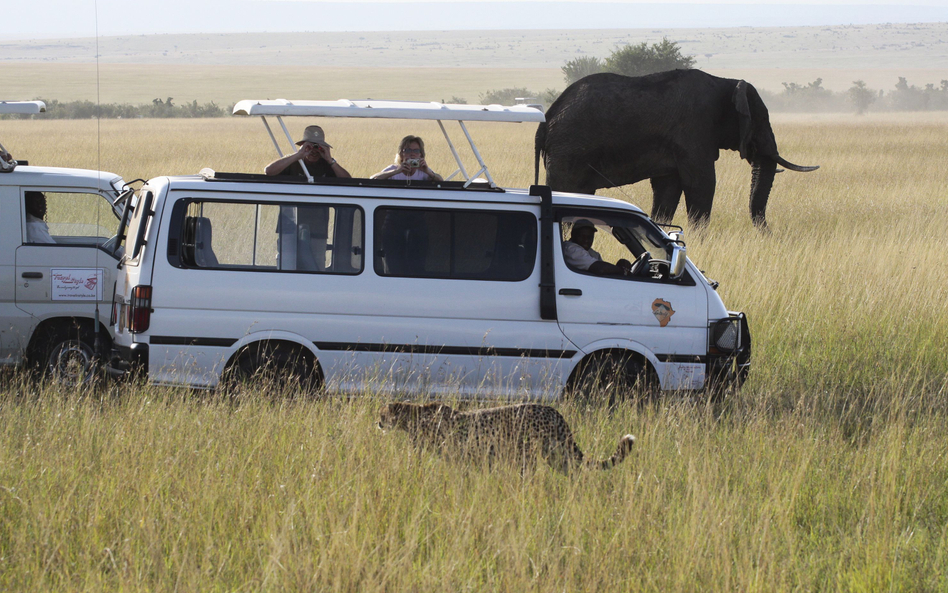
{"points": [[409, 162]]}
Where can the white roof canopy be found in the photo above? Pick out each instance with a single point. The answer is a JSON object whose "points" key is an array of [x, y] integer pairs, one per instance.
{"points": [[22, 107], [391, 110], [431, 111]]}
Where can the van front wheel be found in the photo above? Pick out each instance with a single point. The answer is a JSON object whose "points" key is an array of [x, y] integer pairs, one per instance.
{"points": [[612, 377], [277, 367], [68, 356]]}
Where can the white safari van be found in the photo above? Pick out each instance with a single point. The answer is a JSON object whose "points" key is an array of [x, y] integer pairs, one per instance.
{"points": [[57, 263], [407, 286]]}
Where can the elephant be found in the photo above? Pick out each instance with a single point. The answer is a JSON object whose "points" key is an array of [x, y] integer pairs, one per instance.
{"points": [[607, 130]]}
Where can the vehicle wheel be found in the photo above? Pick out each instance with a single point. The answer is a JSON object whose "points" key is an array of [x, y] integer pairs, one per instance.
{"points": [[68, 356], [275, 367], [613, 377]]}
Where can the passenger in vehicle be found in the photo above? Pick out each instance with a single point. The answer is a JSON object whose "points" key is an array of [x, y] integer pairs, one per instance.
{"points": [[314, 152], [37, 231], [409, 163], [579, 253]]}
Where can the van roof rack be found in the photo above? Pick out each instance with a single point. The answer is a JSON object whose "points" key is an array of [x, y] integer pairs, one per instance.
{"points": [[431, 111], [211, 175], [19, 108]]}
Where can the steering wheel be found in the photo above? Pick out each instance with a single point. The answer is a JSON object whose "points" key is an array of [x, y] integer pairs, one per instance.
{"points": [[641, 268], [659, 268]]}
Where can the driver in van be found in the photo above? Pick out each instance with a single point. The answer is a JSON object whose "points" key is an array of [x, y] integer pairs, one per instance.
{"points": [[579, 253], [37, 231], [314, 152]]}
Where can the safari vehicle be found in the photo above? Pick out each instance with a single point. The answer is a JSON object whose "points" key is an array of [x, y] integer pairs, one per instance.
{"points": [[51, 287], [456, 286]]}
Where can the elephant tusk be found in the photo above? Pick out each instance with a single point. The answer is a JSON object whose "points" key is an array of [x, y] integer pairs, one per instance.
{"points": [[798, 168]]}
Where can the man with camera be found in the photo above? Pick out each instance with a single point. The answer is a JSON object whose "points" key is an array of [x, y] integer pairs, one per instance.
{"points": [[409, 162], [314, 152]]}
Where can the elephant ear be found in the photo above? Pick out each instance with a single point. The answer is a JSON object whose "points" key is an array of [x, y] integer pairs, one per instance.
{"points": [[745, 123]]}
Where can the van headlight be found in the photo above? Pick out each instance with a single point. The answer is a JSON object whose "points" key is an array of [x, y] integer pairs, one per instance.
{"points": [[726, 336]]}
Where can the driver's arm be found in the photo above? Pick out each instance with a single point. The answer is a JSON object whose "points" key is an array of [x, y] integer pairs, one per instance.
{"points": [[606, 269]]}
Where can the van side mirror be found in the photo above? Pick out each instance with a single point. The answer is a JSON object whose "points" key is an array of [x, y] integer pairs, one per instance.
{"points": [[678, 257]]}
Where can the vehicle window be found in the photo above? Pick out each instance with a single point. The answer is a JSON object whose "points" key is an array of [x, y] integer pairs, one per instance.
{"points": [[455, 244], [134, 234], [286, 237], [616, 237], [68, 218]]}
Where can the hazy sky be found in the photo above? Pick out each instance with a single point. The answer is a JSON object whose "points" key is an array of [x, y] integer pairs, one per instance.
{"points": [[22, 19]]}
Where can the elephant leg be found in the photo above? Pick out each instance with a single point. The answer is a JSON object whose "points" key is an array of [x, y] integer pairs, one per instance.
{"points": [[666, 193], [699, 196]]}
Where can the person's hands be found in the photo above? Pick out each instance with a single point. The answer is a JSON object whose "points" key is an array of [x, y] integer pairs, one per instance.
{"points": [[325, 152], [626, 266], [308, 151]]}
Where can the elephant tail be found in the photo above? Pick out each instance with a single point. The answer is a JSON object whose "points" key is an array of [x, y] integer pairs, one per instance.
{"points": [[539, 145]]}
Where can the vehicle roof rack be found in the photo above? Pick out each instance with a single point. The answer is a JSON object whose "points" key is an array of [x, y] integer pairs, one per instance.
{"points": [[431, 111], [212, 175], [19, 108]]}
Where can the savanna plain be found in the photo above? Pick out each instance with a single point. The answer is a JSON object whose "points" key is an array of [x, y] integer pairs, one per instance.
{"points": [[827, 471]]}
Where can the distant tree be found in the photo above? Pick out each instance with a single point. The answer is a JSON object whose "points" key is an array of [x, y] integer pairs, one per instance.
{"points": [[861, 96], [458, 100], [581, 67], [908, 98], [548, 96], [641, 59], [809, 97]]}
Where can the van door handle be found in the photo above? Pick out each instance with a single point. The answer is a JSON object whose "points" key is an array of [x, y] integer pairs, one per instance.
{"points": [[32, 275], [571, 292]]}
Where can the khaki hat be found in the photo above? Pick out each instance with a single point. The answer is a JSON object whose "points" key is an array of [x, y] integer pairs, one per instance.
{"points": [[315, 135]]}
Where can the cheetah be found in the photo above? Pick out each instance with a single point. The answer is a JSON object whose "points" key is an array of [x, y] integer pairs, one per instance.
{"points": [[518, 432]]}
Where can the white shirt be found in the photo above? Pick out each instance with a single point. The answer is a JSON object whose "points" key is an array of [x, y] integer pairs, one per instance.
{"points": [[578, 257], [37, 231]]}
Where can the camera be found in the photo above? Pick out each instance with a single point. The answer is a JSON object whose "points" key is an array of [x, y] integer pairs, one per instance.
{"points": [[413, 162]]}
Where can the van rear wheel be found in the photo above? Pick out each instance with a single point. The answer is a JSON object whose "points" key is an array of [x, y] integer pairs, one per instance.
{"points": [[275, 367]]}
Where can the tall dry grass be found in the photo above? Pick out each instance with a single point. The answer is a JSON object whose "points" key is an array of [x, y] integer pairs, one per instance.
{"points": [[826, 472]]}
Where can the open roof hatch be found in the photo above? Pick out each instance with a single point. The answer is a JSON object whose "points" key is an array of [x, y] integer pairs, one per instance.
{"points": [[439, 112]]}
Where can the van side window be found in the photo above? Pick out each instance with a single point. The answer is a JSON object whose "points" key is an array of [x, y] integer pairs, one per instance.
{"points": [[68, 218], [455, 244], [278, 237]]}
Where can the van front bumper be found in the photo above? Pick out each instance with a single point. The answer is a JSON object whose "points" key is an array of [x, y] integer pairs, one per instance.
{"points": [[128, 360], [729, 351]]}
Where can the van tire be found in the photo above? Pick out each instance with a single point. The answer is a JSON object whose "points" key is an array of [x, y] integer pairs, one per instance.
{"points": [[613, 376], [277, 367], [67, 355]]}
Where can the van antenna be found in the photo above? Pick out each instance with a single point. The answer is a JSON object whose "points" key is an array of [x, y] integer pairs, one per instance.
{"points": [[611, 184], [97, 341]]}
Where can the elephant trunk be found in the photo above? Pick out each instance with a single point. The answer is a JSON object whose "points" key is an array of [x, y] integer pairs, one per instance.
{"points": [[762, 180]]}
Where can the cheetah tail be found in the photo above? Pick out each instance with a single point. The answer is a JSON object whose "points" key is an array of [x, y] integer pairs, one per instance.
{"points": [[625, 447]]}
